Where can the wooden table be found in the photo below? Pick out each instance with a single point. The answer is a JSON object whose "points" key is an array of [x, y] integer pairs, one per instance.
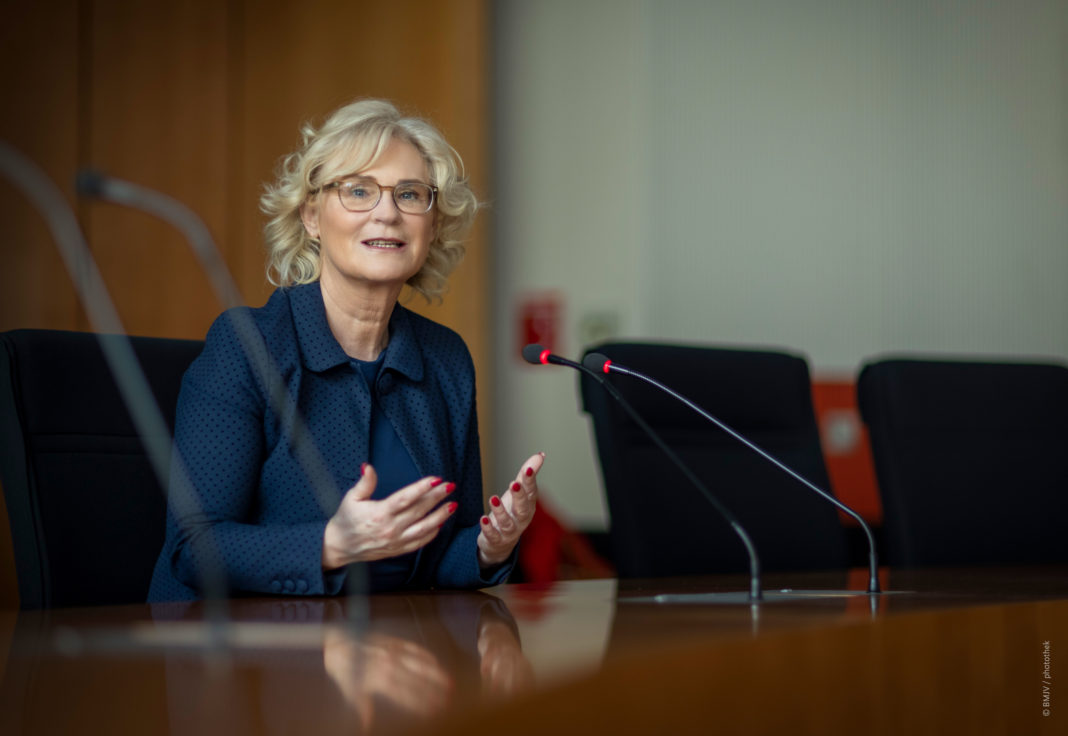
{"points": [[947, 651]]}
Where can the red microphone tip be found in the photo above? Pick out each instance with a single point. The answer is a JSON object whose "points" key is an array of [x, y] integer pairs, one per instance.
{"points": [[606, 364], [544, 357]]}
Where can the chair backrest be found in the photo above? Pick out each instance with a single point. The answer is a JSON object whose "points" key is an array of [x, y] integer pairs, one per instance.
{"points": [[86, 510], [660, 523], [970, 459]]}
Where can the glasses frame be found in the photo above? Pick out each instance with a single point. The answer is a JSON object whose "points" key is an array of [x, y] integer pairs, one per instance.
{"points": [[381, 188]]}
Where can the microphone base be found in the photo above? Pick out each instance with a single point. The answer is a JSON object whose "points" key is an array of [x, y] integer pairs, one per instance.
{"points": [[741, 597]]}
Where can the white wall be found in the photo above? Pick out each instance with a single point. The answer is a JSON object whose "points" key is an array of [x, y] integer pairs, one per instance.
{"points": [[840, 177]]}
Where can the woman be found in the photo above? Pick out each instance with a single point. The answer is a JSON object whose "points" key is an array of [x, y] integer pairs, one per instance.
{"points": [[333, 426]]}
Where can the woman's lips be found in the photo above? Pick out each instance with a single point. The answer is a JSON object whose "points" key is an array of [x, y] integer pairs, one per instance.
{"points": [[384, 243]]}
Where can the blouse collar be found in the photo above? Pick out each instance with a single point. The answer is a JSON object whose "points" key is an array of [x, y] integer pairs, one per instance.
{"points": [[320, 351]]}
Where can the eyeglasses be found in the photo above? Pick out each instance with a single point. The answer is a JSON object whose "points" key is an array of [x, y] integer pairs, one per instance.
{"points": [[364, 194]]}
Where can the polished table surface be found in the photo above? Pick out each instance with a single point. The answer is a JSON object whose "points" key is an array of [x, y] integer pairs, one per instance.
{"points": [[944, 651]]}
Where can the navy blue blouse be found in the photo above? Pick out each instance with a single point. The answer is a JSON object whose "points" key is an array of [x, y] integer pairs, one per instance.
{"points": [[395, 470], [254, 499]]}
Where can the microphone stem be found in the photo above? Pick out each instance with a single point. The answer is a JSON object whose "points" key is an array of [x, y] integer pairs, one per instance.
{"points": [[185, 221], [204, 248], [117, 351], [755, 592], [873, 565]]}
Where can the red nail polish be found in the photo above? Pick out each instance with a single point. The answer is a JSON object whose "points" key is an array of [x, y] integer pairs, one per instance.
{"points": [[363, 468], [530, 472], [434, 480], [452, 506], [516, 487], [485, 521], [450, 488], [494, 501]]}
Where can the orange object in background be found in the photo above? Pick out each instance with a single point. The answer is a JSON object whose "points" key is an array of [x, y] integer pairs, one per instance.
{"points": [[846, 449]]}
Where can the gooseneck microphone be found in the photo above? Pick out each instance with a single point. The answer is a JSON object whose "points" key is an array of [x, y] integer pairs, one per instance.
{"points": [[119, 355], [598, 363], [94, 184], [97, 185], [538, 355]]}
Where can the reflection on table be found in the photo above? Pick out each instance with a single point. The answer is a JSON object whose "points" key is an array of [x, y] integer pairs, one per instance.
{"points": [[959, 650]]}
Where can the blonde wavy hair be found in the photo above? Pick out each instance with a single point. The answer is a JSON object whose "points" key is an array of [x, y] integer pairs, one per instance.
{"points": [[351, 139]]}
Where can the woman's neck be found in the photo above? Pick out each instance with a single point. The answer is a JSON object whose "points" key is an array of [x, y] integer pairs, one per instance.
{"points": [[358, 319]]}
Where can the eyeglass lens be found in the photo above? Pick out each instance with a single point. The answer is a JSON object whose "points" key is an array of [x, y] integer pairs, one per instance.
{"points": [[360, 195]]}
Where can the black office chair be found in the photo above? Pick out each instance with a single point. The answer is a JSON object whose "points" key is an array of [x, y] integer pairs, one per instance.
{"points": [[660, 523], [86, 510], [970, 459]]}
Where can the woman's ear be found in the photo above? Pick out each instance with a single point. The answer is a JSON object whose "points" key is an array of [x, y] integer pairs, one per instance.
{"points": [[309, 215]]}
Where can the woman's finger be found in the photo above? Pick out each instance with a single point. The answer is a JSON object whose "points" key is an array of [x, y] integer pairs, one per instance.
{"points": [[520, 501], [416, 542], [503, 520], [430, 523], [528, 471], [367, 483], [490, 533], [526, 481], [415, 501]]}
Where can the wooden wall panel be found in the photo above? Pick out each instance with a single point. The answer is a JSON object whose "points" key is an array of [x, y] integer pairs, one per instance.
{"points": [[39, 91], [157, 116]]}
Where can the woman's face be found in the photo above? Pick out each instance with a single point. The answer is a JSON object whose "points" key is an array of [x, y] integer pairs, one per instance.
{"points": [[382, 247]]}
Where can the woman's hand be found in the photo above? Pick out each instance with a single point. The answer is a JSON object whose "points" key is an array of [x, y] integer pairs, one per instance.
{"points": [[509, 516], [364, 530]]}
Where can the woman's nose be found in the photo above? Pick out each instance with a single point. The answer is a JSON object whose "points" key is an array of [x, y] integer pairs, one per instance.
{"points": [[386, 209]]}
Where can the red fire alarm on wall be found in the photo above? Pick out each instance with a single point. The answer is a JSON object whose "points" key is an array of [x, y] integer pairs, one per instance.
{"points": [[539, 321]]}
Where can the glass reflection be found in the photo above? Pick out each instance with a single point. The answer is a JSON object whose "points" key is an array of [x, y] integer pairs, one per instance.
{"points": [[407, 659], [383, 667]]}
